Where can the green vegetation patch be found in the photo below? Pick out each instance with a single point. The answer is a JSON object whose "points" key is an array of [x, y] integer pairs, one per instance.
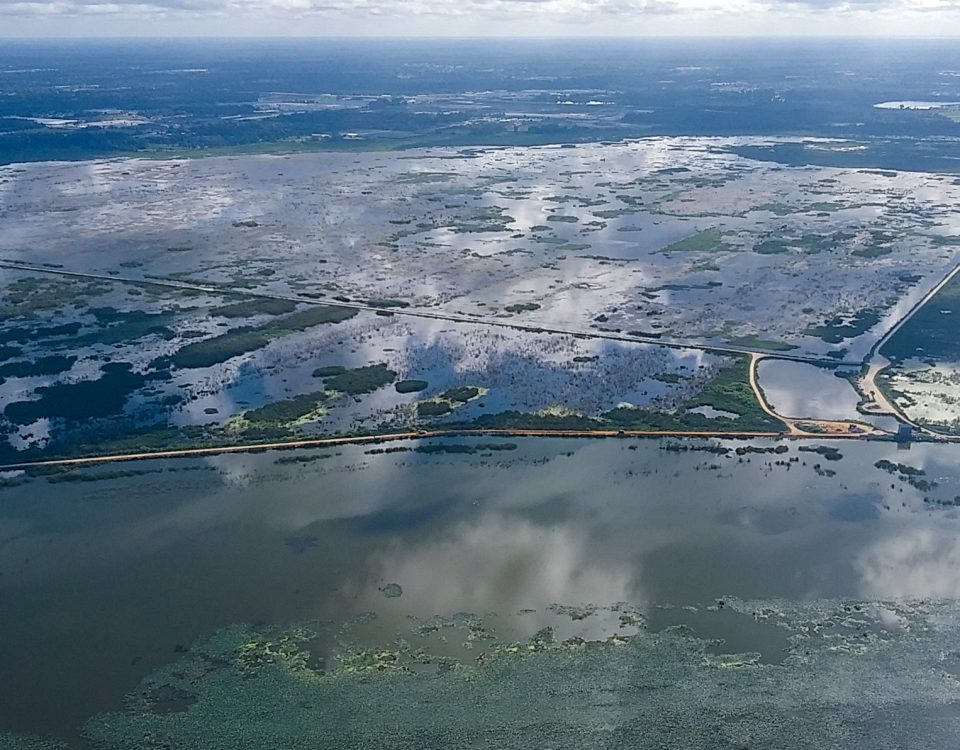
{"points": [[287, 410], [411, 386], [36, 296], [809, 244], [387, 303], [778, 209], [486, 219], [517, 420], [239, 341], [329, 371], [707, 240], [751, 341], [728, 391], [362, 379], [433, 408], [522, 307], [462, 395], [259, 306], [616, 213]]}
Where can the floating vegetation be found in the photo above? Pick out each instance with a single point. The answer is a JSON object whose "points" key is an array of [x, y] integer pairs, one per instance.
{"points": [[391, 590], [849, 681]]}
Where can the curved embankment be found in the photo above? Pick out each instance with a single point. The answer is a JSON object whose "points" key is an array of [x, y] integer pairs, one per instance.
{"points": [[831, 428], [420, 435], [876, 363], [758, 394]]}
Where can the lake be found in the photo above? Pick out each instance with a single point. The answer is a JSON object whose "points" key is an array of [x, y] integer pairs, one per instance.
{"points": [[104, 581]]}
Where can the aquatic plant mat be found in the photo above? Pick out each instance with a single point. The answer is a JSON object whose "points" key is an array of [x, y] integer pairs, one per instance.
{"points": [[853, 675]]}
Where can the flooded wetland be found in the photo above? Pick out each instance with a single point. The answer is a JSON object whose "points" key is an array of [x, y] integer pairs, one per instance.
{"points": [[532, 417], [623, 285]]}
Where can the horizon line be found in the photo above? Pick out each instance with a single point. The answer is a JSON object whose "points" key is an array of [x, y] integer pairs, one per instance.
{"points": [[484, 37]]}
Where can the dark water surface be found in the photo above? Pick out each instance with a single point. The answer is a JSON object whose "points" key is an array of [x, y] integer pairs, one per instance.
{"points": [[103, 581]]}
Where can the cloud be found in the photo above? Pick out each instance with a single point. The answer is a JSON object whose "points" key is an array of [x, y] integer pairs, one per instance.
{"points": [[481, 17], [452, 8]]}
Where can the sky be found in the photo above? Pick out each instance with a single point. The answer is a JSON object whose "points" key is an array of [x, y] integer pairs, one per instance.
{"points": [[458, 18]]}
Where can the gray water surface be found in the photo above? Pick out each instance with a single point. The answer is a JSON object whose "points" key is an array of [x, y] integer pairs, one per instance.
{"points": [[103, 581]]}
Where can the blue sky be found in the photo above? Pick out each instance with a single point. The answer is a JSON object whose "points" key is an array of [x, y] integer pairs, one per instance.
{"points": [[30, 18]]}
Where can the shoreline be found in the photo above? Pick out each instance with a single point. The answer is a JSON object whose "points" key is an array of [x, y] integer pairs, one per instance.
{"points": [[428, 435]]}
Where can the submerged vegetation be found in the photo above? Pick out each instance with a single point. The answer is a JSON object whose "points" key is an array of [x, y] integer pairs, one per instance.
{"points": [[207, 698]]}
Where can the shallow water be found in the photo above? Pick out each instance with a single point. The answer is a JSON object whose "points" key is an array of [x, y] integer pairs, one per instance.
{"points": [[104, 581], [797, 389]]}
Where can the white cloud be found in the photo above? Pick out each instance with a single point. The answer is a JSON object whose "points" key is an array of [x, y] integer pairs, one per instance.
{"points": [[481, 17]]}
